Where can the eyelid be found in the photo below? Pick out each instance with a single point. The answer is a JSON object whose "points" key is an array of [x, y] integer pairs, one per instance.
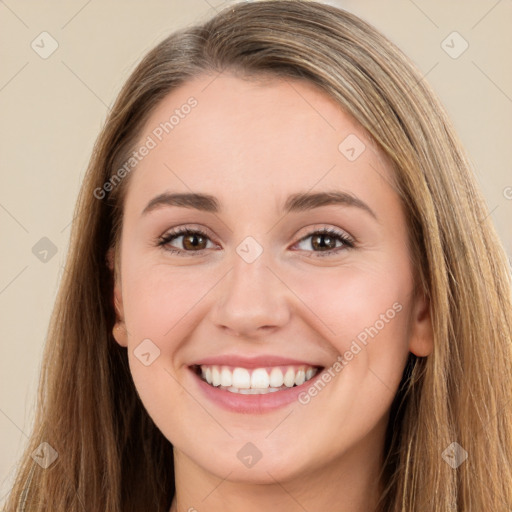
{"points": [[311, 230], [348, 240], [189, 227], [182, 230]]}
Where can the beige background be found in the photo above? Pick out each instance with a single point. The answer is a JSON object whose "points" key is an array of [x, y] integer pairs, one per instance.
{"points": [[52, 110]]}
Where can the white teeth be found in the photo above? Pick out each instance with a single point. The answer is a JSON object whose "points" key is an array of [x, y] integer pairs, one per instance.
{"points": [[252, 391], [241, 378], [289, 378], [215, 376], [276, 378], [300, 377], [258, 380], [225, 377]]}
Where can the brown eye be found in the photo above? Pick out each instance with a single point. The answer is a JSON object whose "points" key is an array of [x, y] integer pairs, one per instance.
{"points": [[323, 241], [185, 242], [194, 241], [326, 242]]}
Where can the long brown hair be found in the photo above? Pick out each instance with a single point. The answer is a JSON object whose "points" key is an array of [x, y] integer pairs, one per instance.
{"points": [[111, 456]]}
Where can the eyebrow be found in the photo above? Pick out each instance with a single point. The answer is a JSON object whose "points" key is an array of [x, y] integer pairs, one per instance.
{"points": [[299, 202]]}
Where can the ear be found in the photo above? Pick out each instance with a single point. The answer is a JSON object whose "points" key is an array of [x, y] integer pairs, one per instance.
{"points": [[119, 330], [422, 335]]}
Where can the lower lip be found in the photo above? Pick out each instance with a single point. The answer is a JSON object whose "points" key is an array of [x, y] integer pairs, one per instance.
{"points": [[252, 404]]}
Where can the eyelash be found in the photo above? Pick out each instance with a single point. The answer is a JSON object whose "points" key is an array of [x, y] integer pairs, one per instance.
{"points": [[348, 243]]}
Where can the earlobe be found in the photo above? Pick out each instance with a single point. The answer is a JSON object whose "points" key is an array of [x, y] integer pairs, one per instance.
{"points": [[119, 329], [119, 333], [422, 335], [110, 259]]}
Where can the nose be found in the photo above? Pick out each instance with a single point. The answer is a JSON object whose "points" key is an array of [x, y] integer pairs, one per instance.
{"points": [[252, 300]]}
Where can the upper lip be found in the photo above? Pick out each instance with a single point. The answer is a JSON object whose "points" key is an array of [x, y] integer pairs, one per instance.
{"points": [[260, 361]]}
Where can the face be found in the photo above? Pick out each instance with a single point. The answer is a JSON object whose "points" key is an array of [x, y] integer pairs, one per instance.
{"points": [[297, 307]]}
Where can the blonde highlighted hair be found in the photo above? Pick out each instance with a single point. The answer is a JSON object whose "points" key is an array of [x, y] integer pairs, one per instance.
{"points": [[111, 456]]}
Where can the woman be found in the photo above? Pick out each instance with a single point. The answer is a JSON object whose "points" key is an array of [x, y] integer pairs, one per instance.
{"points": [[283, 289]]}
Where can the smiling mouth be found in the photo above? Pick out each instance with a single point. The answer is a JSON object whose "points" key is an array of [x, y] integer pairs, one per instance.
{"points": [[255, 381]]}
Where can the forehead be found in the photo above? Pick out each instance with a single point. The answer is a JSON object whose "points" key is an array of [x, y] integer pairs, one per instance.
{"points": [[265, 136]]}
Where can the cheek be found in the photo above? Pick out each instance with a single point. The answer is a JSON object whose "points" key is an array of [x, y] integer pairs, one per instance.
{"points": [[355, 304], [158, 302], [159, 299], [364, 316]]}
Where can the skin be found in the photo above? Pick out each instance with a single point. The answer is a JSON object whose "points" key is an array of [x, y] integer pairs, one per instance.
{"points": [[251, 144]]}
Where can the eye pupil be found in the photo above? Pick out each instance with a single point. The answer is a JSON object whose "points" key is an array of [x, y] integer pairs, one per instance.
{"points": [[329, 244], [195, 238]]}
